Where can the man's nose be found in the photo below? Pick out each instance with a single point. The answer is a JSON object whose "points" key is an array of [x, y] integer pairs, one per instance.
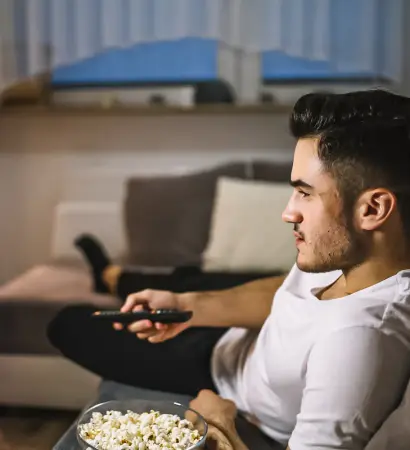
{"points": [[291, 214]]}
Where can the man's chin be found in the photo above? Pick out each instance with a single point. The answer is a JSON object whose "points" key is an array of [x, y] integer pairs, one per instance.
{"points": [[312, 267], [305, 267]]}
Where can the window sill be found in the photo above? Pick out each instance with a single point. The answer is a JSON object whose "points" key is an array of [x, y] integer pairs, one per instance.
{"points": [[222, 109]]}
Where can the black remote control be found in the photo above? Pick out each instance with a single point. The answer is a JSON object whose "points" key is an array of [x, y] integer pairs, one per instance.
{"points": [[159, 315]]}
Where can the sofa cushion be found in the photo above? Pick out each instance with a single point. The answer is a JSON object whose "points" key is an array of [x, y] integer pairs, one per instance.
{"points": [[167, 217], [273, 171], [31, 300], [394, 434], [247, 232]]}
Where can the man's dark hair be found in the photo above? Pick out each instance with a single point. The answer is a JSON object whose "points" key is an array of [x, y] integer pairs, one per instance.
{"points": [[363, 142]]}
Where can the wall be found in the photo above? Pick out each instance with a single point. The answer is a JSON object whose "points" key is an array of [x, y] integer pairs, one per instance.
{"points": [[40, 155], [405, 85]]}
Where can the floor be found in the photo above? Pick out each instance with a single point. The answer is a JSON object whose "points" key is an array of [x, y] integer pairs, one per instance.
{"points": [[32, 429]]}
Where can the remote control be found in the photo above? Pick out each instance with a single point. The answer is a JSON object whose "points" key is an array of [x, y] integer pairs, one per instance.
{"points": [[159, 315]]}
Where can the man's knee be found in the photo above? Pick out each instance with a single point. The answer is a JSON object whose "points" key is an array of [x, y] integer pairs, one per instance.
{"points": [[67, 323]]}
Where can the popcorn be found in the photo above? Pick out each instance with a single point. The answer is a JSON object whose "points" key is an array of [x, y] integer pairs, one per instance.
{"points": [[131, 431]]}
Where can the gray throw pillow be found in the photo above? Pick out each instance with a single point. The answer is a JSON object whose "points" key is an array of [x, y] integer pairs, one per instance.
{"points": [[273, 171], [167, 218]]}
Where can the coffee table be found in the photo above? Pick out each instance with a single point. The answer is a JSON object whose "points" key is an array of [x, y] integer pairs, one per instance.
{"points": [[110, 390]]}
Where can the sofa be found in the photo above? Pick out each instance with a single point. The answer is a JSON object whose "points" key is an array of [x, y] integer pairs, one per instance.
{"points": [[156, 224], [223, 219]]}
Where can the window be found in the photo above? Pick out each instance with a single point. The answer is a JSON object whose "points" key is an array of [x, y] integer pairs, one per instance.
{"points": [[363, 43]]}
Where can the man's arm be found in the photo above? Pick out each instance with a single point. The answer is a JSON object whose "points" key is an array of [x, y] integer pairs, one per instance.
{"points": [[245, 306]]}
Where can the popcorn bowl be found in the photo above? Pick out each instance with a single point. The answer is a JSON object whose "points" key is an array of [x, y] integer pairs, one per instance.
{"points": [[139, 406]]}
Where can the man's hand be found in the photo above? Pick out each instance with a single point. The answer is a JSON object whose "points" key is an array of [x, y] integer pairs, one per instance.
{"points": [[220, 415], [153, 299], [214, 408]]}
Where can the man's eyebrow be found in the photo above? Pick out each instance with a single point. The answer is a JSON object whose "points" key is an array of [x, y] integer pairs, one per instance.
{"points": [[300, 183]]}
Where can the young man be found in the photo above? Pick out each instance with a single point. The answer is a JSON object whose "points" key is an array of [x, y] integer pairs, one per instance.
{"points": [[325, 363]]}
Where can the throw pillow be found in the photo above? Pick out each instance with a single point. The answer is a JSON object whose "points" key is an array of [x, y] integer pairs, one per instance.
{"points": [[247, 232], [167, 218]]}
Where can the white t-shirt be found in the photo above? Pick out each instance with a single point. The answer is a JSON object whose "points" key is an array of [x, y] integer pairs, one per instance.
{"points": [[321, 374]]}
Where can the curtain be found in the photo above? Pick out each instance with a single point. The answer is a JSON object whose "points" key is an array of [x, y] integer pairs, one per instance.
{"points": [[37, 35]]}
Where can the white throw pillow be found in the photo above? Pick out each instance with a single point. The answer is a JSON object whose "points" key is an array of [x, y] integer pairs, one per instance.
{"points": [[247, 232]]}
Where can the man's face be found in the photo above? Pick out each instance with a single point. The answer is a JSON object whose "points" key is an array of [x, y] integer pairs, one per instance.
{"points": [[325, 236]]}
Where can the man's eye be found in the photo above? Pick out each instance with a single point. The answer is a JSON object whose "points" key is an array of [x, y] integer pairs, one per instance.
{"points": [[303, 194]]}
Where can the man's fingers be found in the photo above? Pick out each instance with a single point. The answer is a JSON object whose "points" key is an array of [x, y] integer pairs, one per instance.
{"points": [[118, 326], [138, 308], [145, 335], [128, 304], [154, 336], [140, 326], [157, 337], [139, 298]]}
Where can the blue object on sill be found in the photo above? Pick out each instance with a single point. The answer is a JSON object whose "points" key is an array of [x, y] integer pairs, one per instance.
{"points": [[279, 66], [176, 61]]}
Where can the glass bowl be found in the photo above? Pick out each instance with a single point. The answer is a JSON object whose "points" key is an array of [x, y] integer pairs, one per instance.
{"points": [[140, 406]]}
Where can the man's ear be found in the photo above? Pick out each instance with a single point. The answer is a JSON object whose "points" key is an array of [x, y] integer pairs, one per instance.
{"points": [[374, 207]]}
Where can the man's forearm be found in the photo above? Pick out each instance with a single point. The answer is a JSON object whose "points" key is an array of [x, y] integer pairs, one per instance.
{"points": [[245, 306]]}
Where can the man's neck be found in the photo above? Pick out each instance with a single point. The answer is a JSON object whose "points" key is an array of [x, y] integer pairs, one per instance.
{"points": [[360, 277], [371, 272]]}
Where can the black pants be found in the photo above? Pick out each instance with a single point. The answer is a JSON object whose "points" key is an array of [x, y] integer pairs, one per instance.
{"points": [[183, 279], [180, 365]]}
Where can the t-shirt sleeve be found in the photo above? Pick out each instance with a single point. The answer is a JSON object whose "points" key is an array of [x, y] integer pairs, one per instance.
{"points": [[355, 378]]}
